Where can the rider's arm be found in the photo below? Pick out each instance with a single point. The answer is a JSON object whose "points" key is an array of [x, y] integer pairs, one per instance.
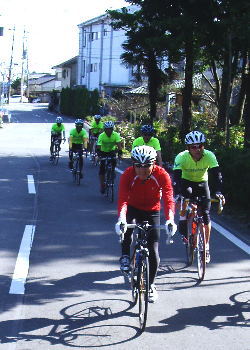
{"points": [[119, 147], [216, 178], [70, 141], [167, 194], [177, 181], [124, 185], [85, 142]]}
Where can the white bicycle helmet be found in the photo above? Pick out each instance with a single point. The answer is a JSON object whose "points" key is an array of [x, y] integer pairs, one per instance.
{"points": [[97, 116], [108, 125], [59, 120], [144, 154], [194, 137]]}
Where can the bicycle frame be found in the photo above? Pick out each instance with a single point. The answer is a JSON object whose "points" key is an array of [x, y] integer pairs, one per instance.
{"points": [[56, 149], [196, 240], [109, 177], [76, 167], [140, 270], [93, 153]]}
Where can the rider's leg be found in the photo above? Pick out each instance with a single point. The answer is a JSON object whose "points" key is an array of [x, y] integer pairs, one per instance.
{"points": [[51, 145], [126, 243], [207, 232], [71, 158], [206, 206], [153, 245]]}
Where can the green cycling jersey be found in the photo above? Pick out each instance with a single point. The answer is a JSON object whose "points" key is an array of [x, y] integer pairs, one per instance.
{"points": [[78, 137], [153, 142], [196, 171], [108, 143], [96, 128], [56, 128]]}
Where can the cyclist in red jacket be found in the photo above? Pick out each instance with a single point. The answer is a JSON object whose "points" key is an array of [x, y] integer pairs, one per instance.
{"points": [[140, 190]]}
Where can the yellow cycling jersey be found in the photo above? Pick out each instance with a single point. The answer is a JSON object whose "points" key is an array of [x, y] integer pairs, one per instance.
{"points": [[196, 171]]}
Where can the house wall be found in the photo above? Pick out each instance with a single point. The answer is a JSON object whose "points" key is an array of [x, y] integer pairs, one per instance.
{"points": [[100, 48]]}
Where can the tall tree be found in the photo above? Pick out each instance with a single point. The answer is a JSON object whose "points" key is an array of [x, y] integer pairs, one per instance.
{"points": [[247, 110]]}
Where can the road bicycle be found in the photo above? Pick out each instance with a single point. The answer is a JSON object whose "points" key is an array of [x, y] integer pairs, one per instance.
{"points": [[195, 241], [55, 150], [139, 268], [93, 154], [109, 177], [76, 171]]}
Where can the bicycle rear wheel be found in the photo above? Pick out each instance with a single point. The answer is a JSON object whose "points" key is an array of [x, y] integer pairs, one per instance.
{"points": [[143, 289], [201, 251], [190, 245]]}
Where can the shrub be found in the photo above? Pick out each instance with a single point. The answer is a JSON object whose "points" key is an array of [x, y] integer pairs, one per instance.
{"points": [[79, 102], [235, 165]]}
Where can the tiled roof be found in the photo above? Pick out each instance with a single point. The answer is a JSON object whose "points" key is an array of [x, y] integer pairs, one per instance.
{"points": [[141, 90], [42, 80]]}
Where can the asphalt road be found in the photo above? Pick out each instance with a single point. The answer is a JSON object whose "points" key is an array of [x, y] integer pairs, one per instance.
{"points": [[74, 295]]}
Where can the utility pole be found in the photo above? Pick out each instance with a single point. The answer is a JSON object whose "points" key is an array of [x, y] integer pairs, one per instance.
{"points": [[24, 56], [11, 62]]}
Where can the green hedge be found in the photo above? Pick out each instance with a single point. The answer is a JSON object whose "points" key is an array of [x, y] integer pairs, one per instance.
{"points": [[79, 102], [235, 165]]}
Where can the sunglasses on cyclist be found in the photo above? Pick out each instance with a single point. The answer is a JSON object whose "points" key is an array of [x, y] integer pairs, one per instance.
{"points": [[139, 165], [196, 146]]}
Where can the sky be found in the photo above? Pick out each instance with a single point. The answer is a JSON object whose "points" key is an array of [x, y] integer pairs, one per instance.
{"points": [[50, 27]]}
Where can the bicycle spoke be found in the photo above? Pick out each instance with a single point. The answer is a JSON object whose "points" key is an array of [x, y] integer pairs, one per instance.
{"points": [[134, 278], [143, 285], [190, 245], [201, 252]]}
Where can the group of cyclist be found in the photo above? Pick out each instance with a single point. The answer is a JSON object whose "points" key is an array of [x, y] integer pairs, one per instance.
{"points": [[145, 183]]}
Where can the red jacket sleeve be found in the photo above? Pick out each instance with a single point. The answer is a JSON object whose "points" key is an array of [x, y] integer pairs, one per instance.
{"points": [[167, 193], [124, 186]]}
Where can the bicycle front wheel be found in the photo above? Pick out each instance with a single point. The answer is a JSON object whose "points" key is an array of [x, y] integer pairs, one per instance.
{"points": [[143, 290], [56, 155], [134, 279], [201, 251], [190, 245], [110, 186], [76, 172]]}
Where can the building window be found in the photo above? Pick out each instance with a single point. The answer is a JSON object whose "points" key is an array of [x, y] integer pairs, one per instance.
{"points": [[84, 38], [93, 36], [105, 32], [83, 68], [93, 67], [64, 73]]}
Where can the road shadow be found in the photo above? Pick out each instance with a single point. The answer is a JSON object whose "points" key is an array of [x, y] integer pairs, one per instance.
{"points": [[209, 316], [93, 322]]}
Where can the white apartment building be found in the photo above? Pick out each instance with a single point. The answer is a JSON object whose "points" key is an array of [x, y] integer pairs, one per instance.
{"points": [[99, 63]]}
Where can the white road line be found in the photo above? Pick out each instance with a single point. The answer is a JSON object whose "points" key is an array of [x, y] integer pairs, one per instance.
{"points": [[231, 237], [22, 262], [31, 184]]}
